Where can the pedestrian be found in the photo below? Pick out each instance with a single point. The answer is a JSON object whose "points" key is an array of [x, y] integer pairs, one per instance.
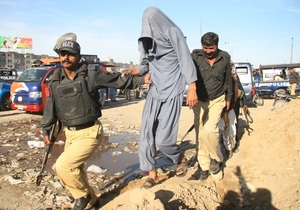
{"points": [[294, 80], [214, 79], [73, 99], [283, 74], [166, 56], [103, 90]]}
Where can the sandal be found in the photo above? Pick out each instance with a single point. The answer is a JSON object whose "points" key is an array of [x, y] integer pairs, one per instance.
{"points": [[181, 169], [149, 183]]}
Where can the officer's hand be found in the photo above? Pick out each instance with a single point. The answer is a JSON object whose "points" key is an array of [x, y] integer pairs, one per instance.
{"points": [[147, 78], [126, 72], [131, 71], [191, 97], [46, 141]]}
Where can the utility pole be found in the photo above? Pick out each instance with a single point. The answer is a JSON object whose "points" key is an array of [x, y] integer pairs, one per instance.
{"points": [[292, 50], [200, 28], [226, 43]]}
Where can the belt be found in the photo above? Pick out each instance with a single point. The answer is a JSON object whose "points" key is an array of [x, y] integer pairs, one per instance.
{"points": [[82, 126]]}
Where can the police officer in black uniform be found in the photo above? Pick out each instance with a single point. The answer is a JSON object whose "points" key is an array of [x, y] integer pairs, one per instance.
{"points": [[73, 98]]}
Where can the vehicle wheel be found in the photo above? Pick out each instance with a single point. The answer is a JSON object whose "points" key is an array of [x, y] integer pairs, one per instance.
{"points": [[280, 91], [5, 102], [279, 103], [259, 101]]}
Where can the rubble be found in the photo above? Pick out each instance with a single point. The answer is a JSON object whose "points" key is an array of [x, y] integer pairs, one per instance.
{"points": [[21, 153]]}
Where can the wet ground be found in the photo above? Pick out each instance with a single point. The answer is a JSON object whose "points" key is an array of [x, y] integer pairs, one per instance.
{"points": [[117, 156]]}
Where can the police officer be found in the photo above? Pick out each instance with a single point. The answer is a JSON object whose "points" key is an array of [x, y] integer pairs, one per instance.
{"points": [[73, 98], [214, 78]]}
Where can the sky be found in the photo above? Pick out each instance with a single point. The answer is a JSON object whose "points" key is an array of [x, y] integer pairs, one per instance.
{"points": [[261, 32]]}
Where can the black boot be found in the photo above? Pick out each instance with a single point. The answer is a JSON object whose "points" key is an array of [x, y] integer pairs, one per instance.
{"points": [[203, 175], [82, 202], [214, 166]]}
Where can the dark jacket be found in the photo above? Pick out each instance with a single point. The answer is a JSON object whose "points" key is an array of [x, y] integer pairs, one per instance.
{"points": [[213, 81], [294, 78], [76, 101]]}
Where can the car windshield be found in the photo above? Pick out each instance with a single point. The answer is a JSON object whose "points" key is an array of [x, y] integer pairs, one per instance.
{"points": [[32, 75]]}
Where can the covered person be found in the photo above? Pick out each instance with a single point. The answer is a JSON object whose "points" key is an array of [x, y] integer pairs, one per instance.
{"points": [[166, 56], [73, 99]]}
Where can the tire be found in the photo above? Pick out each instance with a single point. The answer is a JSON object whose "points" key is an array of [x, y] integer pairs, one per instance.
{"points": [[280, 91], [5, 102], [259, 101], [279, 103]]}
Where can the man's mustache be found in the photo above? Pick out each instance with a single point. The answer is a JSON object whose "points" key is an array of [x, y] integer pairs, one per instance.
{"points": [[67, 61]]}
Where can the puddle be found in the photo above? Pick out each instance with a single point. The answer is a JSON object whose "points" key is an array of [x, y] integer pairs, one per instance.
{"points": [[116, 154]]}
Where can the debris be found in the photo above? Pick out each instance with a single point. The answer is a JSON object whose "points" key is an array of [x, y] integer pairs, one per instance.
{"points": [[38, 144], [96, 169], [12, 180]]}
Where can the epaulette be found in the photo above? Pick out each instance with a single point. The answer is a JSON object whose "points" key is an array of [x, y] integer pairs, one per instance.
{"points": [[196, 51]]}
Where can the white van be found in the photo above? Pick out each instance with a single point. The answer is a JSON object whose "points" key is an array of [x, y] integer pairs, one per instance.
{"points": [[244, 70]]}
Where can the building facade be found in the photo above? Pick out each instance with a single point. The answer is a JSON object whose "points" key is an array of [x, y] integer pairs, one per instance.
{"points": [[18, 60], [23, 61]]}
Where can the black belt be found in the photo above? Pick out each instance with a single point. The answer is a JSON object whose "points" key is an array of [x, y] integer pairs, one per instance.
{"points": [[82, 126]]}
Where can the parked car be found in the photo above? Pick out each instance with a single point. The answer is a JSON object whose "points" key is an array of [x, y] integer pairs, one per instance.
{"points": [[269, 82], [244, 71], [5, 102], [8, 75]]}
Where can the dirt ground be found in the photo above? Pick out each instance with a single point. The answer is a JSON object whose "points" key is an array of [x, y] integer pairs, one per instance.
{"points": [[264, 174]]}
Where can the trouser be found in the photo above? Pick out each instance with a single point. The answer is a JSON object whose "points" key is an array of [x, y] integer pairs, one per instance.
{"points": [[206, 118], [128, 94], [112, 93], [102, 93], [293, 88], [236, 109], [80, 145], [159, 127]]}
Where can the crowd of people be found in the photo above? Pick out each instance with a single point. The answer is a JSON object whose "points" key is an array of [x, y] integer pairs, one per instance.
{"points": [[167, 66]]}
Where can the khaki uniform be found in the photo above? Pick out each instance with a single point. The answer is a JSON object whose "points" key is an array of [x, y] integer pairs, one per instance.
{"points": [[207, 133], [80, 145]]}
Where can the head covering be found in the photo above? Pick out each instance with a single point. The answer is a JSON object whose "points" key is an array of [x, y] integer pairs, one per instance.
{"points": [[157, 26], [70, 46], [156, 23], [67, 36]]}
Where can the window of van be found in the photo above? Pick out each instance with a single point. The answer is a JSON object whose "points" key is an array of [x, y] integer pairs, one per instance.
{"points": [[241, 70]]}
